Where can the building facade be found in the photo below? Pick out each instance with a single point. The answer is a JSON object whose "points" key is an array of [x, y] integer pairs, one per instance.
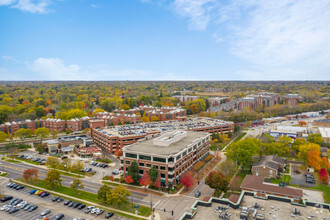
{"points": [[172, 154]]}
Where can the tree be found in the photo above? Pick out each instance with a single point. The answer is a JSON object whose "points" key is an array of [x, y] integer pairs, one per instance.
{"points": [[324, 176], [315, 138], [66, 164], [124, 107], [153, 173], [119, 153], [76, 185], [186, 179], [314, 159], [217, 181], [302, 123], [154, 118], [118, 196], [52, 162], [41, 132], [40, 147], [102, 193], [23, 133], [296, 144], [145, 180], [145, 118], [157, 182], [133, 170], [128, 179], [241, 152], [111, 104], [223, 138], [303, 150], [227, 167], [30, 175], [97, 111], [194, 109], [3, 136], [53, 179], [77, 166], [54, 133]]}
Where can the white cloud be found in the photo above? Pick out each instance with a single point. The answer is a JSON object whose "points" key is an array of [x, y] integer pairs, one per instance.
{"points": [[54, 69], [197, 11], [32, 6], [8, 58], [286, 35], [6, 2]]}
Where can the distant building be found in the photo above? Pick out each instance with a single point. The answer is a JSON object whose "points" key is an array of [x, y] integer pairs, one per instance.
{"points": [[292, 99], [172, 154], [253, 183], [265, 99], [54, 124], [214, 90], [325, 133], [269, 166], [216, 101], [185, 98], [78, 124], [12, 127], [322, 123]]}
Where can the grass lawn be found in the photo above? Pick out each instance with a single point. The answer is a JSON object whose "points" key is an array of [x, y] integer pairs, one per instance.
{"points": [[70, 174], [284, 178], [287, 168], [143, 210], [12, 161], [4, 174], [27, 161], [240, 137], [104, 160]]}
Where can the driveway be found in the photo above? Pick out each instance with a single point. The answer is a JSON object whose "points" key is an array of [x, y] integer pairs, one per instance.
{"points": [[299, 178]]}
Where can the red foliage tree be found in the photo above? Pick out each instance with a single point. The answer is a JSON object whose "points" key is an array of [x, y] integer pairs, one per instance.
{"points": [[119, 153], [128, 179], [157, 182], [186, 179], [30, 174], [324, 175], [145, 180], [111, 178]]}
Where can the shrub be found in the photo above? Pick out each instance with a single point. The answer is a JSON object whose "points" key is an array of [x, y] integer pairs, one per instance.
{"points": [[208, 158], [198, 165]]}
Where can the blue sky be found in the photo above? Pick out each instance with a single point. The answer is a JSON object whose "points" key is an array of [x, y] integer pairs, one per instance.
{"points": [[164, 40]]}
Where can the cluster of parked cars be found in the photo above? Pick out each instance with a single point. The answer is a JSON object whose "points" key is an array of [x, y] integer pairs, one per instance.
{"points": [[42, 161], [39, 193], [310, 178], [15, 186], [98, 164], [75, 205], [15, 204], [87, 169]]}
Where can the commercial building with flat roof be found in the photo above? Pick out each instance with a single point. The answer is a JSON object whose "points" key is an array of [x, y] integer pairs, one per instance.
{"points": [[172, 154]]}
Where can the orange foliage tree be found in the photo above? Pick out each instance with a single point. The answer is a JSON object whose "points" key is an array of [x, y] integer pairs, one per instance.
{"points": [[314, 159], [302, 123], [128, 179], [30, 174]]}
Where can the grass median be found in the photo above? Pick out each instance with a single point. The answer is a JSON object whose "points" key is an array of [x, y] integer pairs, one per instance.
{"points": [[91, 197]]}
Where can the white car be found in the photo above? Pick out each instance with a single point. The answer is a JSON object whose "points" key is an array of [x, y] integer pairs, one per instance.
{"points": [[3, 208], [21, 204], [45, 212], [95, 210]]}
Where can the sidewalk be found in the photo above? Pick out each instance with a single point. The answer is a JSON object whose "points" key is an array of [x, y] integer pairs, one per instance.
{"points": [[81, 200]]}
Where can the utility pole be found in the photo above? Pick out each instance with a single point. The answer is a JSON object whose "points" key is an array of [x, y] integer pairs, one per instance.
{"points": [[152, 209]]}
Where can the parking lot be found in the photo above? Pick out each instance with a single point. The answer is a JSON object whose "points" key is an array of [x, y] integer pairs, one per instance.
{"points": [[298, 177], [270, 209], [43, 203]]}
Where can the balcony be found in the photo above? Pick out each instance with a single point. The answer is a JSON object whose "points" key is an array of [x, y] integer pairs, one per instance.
{"points": [[171, 164]]}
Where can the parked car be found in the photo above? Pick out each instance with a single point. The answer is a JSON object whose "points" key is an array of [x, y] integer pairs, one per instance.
{"points": [[60, 199], [33, 191], [45, 212], [67, 202], [81, 206], [99, 212], [34, 207], [109, 215], [54, 199], [76, 205], [116, 172], [6, 198], [197, 194], [13, 210], [58, 217]]}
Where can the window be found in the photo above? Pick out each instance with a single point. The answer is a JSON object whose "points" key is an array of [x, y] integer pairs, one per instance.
{"points": [[131, 155], [190, 149], [171, 159], [262, 192], [162, 175], [155, 167], [148, 165], [162, 168], [257, 169], [184, 153], [143, 157], [170, 176], [170, 169], [178, 157], [127, 162], [159, 159], [140, 171], [141, 164], [271, 171]]}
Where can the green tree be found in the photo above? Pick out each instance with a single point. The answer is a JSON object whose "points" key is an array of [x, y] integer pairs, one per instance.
{"points": [[153, 173], [52, 162], [228, 168], [23, 133], [118, 196], [77, 166], [102, 193], [303, 150], [54, 133], [40, 111], [3, 136], [242, 151], [296, 144], [111, 104], [40, 148], [66, 164], [53, 179], [315, 139], [76, 185], [133, 170], [41, 132]]}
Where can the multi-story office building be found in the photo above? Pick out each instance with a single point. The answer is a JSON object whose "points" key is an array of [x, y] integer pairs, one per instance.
{"points": [[185, 98], [292, 99], [12, 127], [265, 99], [172, 154]]}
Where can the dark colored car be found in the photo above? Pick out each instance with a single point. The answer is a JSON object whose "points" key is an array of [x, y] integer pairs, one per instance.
{"points": [[33, 191], [71, 204], [197, 194], [109, 215], [28, 207], [13, 210], [60, 199], [58, 217], [45, 194], [34, 207], [81, 206], [76, 205], [67, 202], [17, 202], [308, 180], [54, 199], [6, 198], [12, 201]]}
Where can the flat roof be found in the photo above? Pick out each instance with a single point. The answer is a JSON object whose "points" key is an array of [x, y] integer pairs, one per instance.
{"points": [[148, 146], [325, 132]]}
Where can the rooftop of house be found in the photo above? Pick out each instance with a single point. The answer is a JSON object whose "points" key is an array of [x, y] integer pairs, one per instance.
{"points": [[173, 147], [271, 161], [256, 183]]}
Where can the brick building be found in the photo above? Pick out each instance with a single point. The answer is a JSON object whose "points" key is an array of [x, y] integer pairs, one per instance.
{"points": [[78, 124], [184, 98], [172, 154], [54, 124], [253, 183], [269, 166], [292, 99], [265, 99], [12, 127]]}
